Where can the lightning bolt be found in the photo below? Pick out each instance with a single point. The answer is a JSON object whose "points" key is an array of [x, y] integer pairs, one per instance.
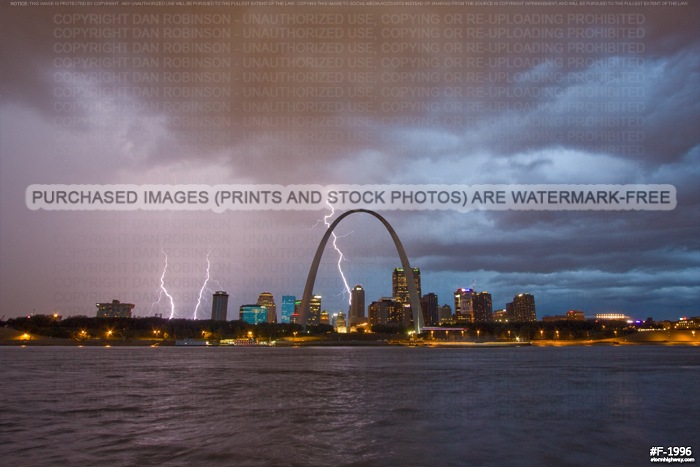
{"points": [[341, 257], [163, 290], [204, 286]]}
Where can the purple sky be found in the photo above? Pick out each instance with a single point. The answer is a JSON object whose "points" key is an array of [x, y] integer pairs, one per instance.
{"points": [[427, 95]]}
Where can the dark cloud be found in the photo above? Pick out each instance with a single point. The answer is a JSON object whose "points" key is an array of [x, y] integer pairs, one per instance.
{"points": [[602, 114]]}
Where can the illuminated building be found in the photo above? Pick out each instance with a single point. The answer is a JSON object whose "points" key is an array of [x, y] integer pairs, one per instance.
{"points": [[482, 308], [386, 310], [429, 304], [340, 324], [522, 308], [571, 315], [399, 287], [295, 316], [253, 314], [219, 306], [445, 314], [115, 309], [612, 316], [463, 306], [575, 315], [357, 305], [267, 300], [500, 316], [688, 323], [325, 319], [314, 310], [288, 303]]}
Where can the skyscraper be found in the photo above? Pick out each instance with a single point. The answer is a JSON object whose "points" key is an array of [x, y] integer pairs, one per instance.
{"points": [[267, 300], [295, 316], [464, 313], [219, 306], [399, 286], [522, 308], [429, 303], [482, 307], [287, 308], [314, 310], [357, 305]]}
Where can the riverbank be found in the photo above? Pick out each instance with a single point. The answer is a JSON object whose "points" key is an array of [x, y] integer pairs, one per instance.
{"points": [[11, 337]]}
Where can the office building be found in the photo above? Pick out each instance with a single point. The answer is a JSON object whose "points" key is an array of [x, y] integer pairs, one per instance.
{"points": [[357, 305], [522, 308], [287, 310], [464, 312], [386, 310], [268, 301], [445, 314], [482, 307], [314, 311], [294, 319], [429, 304], [114, 309], [219, 306], [500, 316], [253, 314], [399, 286]]}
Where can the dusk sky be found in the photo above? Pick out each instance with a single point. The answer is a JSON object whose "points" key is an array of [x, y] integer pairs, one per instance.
{"points": [[380, 95]]}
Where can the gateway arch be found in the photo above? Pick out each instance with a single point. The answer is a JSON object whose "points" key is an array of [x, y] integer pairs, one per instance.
{"points": [[410, 282]]}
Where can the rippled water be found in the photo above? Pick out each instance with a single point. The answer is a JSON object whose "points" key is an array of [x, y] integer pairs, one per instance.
{"points": [[346, 405]]}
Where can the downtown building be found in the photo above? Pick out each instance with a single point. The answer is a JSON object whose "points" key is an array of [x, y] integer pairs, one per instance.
{"points": [[357, 306], [253, 314], [521, 309], [219, 306], [472, 306], [288, 308], [399, 291], [387, 310], [463, 306], [268, 301], [482, 307], [431, 309], [114, 309], [314, 317], [445, 314]]}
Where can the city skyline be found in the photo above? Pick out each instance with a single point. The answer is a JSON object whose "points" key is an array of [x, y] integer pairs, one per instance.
{"points": [[491, 96]]}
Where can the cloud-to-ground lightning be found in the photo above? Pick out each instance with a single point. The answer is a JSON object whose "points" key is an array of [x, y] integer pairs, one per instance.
{"points": [[163, 290], [341, 256], [204, 286]]}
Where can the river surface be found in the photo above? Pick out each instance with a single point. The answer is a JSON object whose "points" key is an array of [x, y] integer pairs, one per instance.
{"points": [[317, 406]]}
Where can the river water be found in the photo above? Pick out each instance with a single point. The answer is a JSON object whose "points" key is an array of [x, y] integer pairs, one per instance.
{"points": [[332, 406]]}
